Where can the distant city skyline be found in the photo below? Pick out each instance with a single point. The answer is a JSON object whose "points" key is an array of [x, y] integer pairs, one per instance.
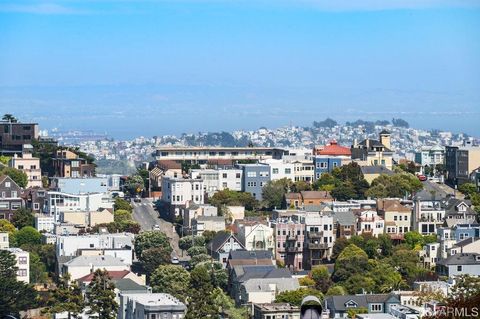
{"points": [[161, 67]]}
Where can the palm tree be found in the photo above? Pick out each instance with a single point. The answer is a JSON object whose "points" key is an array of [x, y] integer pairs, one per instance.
{"points": [[9, 118]]}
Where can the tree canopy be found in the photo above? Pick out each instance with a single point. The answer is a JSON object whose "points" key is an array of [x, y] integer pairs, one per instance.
{"points": [[171, 279]]}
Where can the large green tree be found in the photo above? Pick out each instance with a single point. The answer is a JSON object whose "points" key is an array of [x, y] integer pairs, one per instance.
{"points": [[135, 184], [15, 296], [274, 191], [28, 236], [397, 185], [38, 270], [225, 306], [101, 296], [228, 197], [201, 299], [151, 239], [187, 242], [153, 257], [295, 297], [171, 279], [23, 217], [352, 260], [322, 279], [66, 297], [121, 204], [16, 175]]}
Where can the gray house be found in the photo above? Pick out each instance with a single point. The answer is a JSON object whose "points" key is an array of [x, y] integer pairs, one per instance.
{"points": [[460, 264], [10, 199], [221, 246], [254, 177], [338, 306]]}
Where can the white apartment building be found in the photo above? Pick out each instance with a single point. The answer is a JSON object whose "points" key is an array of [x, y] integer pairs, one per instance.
{"points": [[23, 264], [180, 191], [256, 236], [72, 245], [30, 166], [150, 305], [44, 223], [430, 155], [319, 237], [280, 169], [428, 216], [200, 154], [304, 170], [83, 265], [368, 222], [57, 202], [219, 179]]}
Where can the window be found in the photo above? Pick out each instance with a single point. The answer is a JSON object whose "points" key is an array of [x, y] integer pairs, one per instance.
{"points": [[238, 175], [7, 184], [22, 260], [14, 194], [22, 272], [224, 175], [288, 170], [36, 206], [275, 171], [264, 174], [459, 268], [20, 166], [251, 174], [376, 307]]}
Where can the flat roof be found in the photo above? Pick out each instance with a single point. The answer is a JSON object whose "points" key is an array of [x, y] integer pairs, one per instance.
{"points": [[179, 148], [155, 299]]}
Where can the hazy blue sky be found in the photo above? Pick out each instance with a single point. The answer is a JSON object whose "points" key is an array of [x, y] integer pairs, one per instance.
{"points": [[194, 65]]}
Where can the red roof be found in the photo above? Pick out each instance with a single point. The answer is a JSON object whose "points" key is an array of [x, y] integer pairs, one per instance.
{"points": [[114, 274], [333, 149]]}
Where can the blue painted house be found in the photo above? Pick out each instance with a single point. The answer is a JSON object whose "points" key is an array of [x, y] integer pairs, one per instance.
{"points": [[330, 156]]}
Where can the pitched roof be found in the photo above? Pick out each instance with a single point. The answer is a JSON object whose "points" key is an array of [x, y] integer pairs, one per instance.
{"points": [[338, 303], [316, 195], [461, 259], [128, 285], [392, 205], [334, 149], [263, 272], [344, 218], [292, 195], [220, 239], [252, 255], [168, 164], [264, 284], [384, 132], [114, 275], [466, 242]]}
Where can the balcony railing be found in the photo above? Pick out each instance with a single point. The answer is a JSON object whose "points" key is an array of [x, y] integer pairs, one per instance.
{"points": [[314, 234], [317, 245], [293, 249]]}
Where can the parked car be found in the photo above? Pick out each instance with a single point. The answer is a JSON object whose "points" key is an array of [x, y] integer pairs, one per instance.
{"points": [[137, 199], [175, 260], [422, 178], [156, 227]]}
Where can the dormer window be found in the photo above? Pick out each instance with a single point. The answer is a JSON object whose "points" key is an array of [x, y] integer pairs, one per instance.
{"points": [[351, 304]]}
